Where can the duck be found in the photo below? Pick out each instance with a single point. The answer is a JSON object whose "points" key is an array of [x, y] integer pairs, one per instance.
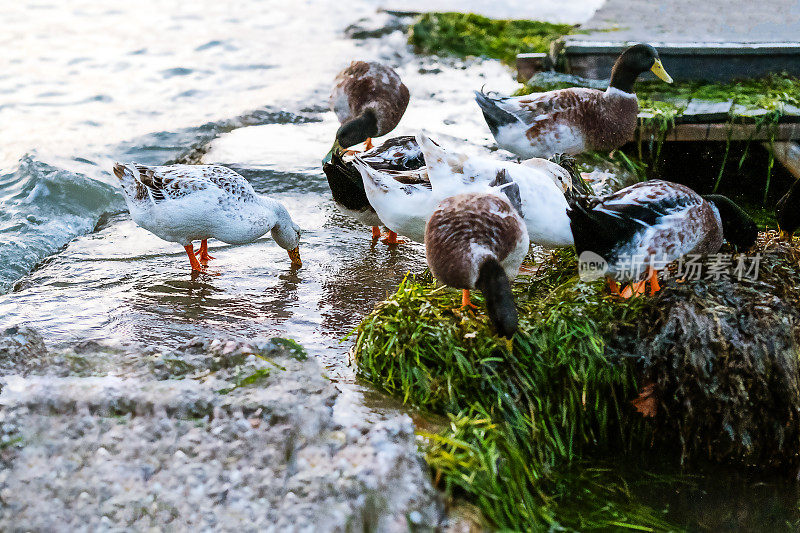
{"points": [[787, 212], [629, 231], [574, 120], [369, 99], [186, 203], [398, 154], [405, 205], [478, 240]]}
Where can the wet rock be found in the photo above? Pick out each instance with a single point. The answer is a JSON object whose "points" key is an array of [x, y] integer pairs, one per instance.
{"points": [[20, 347], [209, 451], [377, 25]]}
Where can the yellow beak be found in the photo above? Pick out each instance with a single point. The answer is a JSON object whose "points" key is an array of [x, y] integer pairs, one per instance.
{"points": [[658, 70], [294, 255]]}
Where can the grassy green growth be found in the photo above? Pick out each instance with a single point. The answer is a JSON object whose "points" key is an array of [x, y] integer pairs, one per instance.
{"points": [[770, 92], [761, 100], [665, 102], [518, 414], [467, 34]]}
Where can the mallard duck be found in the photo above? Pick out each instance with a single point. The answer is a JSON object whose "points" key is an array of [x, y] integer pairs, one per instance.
{"points": [[369, 99], [399, 154], [574, 120], [478, 240], [653, 221], [787, 211], [185, 203], [405, 206]]}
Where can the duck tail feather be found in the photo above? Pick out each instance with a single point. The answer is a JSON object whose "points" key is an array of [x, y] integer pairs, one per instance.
{"points": [[442, 165], [495, 116]]}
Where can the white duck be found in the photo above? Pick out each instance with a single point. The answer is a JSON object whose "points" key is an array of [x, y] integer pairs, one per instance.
{"points": [[185, 203], [405, 207]]}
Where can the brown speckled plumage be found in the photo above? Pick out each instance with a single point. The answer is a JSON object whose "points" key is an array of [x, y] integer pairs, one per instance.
{"points": [[467, 229], [606, 120], [657, 219], [370, 85]]}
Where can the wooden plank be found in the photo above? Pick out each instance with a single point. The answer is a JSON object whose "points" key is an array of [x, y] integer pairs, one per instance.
{"points": [[722, 132], [713, 40], [704, 111], [788, 153]]}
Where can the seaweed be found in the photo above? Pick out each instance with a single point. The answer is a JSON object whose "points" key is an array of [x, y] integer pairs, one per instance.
{"points": [[716, 360], [468, 34]]}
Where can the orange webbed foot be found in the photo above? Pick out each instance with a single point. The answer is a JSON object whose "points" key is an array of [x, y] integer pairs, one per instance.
{"points": [[197, 267], [202, 253], [654, 285], [376, 233], [613, 287], [392, 238]]}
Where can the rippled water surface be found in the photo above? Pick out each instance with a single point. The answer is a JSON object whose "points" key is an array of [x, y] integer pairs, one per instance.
{"points": [[241, 83], [244, 84]]}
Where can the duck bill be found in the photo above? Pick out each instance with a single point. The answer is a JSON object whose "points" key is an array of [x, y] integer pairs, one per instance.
{"points": [[294, 255], [658, 70], [335, 148]]}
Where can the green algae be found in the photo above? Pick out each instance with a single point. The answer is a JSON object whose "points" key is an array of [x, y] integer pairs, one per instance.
{"points": [[468, 34], [662, 103], [528, 420], [515, 415]]}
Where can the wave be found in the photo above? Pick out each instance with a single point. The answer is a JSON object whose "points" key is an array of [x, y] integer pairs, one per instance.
{"points": [[42, 208]]}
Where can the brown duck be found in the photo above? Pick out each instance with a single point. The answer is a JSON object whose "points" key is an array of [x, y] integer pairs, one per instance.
{"points": [[574, 120], [478, 241], [369, 99]]}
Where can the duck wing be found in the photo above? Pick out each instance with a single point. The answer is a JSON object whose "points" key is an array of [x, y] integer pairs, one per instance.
{"points": [[654, 217], [535, 108], [176, 182]]}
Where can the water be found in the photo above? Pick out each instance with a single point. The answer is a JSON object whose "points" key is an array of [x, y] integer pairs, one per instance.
{"points": [[87, 84]]}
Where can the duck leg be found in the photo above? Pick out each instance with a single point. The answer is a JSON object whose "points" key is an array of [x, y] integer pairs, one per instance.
{"points": [[654, 285], [368, 144], [613, 286], [376, 233], [391, 238], [196, 266], [202, 253], [639, 287], [466, 303]]}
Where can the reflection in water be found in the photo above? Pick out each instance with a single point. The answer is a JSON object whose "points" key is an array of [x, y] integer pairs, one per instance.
{"points": [[124, 284]]}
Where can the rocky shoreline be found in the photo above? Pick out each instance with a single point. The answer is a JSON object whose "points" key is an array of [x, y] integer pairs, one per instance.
{"points": [[214, 435]]}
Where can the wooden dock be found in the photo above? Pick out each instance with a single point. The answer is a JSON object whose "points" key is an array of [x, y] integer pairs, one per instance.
{"points": [[713, 40]]}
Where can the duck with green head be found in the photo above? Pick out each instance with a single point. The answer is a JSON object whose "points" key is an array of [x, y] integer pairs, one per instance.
{"points": [[574, 120]]}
